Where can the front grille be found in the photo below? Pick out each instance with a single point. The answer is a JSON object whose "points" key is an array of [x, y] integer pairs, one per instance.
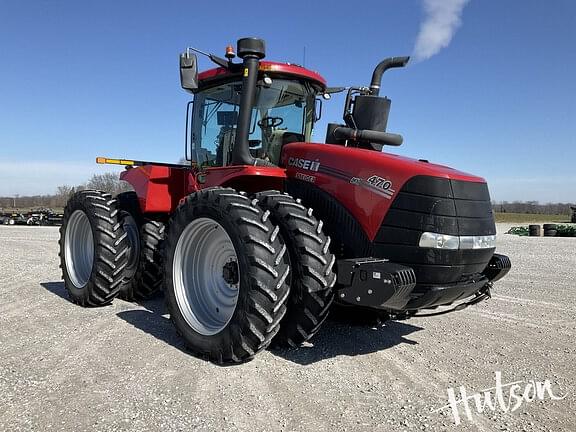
{"points": [[442, 206]]}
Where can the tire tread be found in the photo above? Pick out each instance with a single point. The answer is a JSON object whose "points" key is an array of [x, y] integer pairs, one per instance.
{"points": [[312, 276]]}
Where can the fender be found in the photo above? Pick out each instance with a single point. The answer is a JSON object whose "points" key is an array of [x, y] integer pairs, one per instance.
{"points": [[160, 188], [245, 178]]}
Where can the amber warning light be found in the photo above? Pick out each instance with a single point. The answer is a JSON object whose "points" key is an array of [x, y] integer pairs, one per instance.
{"points": [[230, 54]]}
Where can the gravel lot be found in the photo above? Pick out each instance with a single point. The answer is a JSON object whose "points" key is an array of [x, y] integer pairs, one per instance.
{"points": [[123, 367]]}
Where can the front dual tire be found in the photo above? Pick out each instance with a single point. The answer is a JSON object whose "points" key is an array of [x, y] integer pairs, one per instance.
{"points": [[206, 276], [226, 271]]}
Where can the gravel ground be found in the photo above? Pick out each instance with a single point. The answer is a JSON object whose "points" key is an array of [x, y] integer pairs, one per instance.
{"points": [[123, 367]]}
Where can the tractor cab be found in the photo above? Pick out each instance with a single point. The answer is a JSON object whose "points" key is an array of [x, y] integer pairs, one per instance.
{"points": [[283, 112], [243, 113]]}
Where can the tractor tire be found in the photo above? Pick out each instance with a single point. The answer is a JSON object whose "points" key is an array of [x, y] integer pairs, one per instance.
{"points": [[143, 275], [311, 263], [550, 233], [534, 230], [226, 269], [93, 248]]}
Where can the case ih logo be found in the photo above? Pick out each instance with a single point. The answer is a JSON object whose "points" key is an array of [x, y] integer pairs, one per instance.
{"points": [[310, 165]]}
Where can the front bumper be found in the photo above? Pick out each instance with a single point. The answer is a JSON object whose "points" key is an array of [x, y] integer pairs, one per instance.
{"points": [[380, 284]]}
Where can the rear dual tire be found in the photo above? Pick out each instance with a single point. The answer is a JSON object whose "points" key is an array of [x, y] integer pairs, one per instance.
{"points": [[144, 273], [93, 248]]}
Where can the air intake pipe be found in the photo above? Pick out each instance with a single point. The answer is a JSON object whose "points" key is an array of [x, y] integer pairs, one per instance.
{"points": [[372, 136], [383, 66], [251, 51]]}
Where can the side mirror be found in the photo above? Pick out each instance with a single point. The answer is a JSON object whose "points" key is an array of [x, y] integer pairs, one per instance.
{"points": [[188, 71], [317, 109]]}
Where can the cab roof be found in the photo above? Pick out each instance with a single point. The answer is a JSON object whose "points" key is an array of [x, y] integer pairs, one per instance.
{"points": [[214, 76]]}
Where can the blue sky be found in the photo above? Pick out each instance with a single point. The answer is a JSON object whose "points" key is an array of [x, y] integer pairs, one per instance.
{"points": [[80, 79]]}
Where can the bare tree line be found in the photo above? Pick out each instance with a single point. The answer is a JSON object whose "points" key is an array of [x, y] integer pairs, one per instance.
{"points": [[532, 207], [108, 182]]}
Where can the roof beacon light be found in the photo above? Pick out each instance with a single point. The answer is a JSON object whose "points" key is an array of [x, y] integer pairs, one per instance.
{"points": [[230, 54]]}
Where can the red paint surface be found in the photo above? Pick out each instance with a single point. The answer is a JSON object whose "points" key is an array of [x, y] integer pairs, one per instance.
{"points": [[272, 67], [367, 206], [246, 177], [159, 188]]}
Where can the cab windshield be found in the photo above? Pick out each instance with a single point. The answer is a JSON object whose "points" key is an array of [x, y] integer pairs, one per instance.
{"points": [[283, 112]]}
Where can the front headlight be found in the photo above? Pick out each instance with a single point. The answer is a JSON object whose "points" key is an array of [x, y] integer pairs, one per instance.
{"points": [[439, 241], [477, 242], [450, 242]]}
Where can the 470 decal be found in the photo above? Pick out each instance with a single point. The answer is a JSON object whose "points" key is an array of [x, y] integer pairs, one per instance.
{"points": [[379, 182]]}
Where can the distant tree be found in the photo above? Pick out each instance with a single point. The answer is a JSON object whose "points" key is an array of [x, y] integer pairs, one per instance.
{"points": [[108, 182], [63, 192], [532, 207]]}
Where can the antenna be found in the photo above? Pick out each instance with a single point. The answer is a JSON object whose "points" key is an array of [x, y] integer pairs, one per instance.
{"points": [[219, 61]]}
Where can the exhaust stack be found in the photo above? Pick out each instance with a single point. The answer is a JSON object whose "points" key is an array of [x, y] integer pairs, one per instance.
{"points": [[366, 113], [383, 66]]}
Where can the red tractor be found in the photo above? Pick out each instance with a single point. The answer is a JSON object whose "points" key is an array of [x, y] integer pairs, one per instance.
{"points": [[262, 230]]}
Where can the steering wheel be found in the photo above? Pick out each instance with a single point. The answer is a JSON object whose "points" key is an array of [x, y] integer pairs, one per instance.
{"points": [[270, 122]]}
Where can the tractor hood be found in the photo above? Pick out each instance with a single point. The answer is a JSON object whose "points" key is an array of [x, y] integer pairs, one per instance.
{"points": [[361, 162], [366, 182]]}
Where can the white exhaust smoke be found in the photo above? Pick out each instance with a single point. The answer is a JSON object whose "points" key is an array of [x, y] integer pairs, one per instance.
{"points": [[443, 17]]}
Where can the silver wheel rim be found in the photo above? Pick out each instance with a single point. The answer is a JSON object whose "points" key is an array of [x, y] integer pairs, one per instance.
{"points": [[206, 276], [79, 249], [132, 233]]}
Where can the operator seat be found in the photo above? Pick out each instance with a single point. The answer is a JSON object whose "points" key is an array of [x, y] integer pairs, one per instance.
{"points": [[286, 138], [274, 145], [225, 144]]}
